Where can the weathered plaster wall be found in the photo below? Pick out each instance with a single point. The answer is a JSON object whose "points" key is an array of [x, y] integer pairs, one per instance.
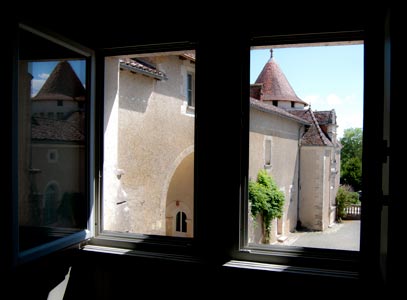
{"points": [[284, 135], [315, 187], [146, 123]]}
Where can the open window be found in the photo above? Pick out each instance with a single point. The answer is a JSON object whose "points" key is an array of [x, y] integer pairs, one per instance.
{"points": [[52, 126]]}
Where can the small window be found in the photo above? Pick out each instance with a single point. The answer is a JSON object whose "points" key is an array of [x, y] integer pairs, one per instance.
{"points": [[267, 153], [190, 90], [181, 222], [60, 103], [52, 155]]}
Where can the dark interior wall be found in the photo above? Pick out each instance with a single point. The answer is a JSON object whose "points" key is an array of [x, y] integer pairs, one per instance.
{"points": [[221, 38]]}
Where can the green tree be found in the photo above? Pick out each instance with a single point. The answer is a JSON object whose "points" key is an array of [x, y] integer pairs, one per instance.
{"points": [[351, 157], [344, 198], [266, 200]]}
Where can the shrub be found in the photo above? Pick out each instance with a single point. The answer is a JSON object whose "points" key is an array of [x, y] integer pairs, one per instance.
{"points": [[344, 198], [266, 200]]}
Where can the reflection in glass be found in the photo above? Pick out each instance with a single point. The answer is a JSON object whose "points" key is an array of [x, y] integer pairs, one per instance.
{"points": [[51, 140]]}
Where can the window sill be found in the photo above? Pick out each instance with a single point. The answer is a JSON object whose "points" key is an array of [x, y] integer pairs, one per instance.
{"points": [[142, 254], [229, 265], [291, 269]]}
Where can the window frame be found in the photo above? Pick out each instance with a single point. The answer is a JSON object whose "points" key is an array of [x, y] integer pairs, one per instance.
{"points": [[190, 90], [236, 254], [327, 259], [21, 257], [132, 241]]}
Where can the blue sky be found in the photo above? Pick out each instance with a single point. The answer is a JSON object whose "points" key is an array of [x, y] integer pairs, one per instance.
{"points": [[327, 77], [41, 71]]}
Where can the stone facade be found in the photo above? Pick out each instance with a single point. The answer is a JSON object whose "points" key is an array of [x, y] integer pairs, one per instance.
{"points": [[148, 155], [149, 141], [283, 135]]}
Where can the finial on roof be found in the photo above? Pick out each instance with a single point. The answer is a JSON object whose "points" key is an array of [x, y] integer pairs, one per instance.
{"points": [[271, 53]]}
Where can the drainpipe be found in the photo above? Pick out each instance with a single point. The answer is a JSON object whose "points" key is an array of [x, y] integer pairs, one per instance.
{"points": [[299, 177]]}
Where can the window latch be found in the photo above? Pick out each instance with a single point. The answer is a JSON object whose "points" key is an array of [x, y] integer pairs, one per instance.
{"points": [[385, 151], [385, 200]]}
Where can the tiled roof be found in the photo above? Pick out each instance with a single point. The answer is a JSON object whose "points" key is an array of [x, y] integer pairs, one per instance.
{"points": [[275, 84], [138, 67], [255, 90], [325, 117], [62, 84], [266, 106], [68, 130], [189, 55], [301, 113], [314, 136]]}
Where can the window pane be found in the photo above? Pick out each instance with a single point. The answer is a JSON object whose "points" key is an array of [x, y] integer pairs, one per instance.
{"points": [[148, 144], [51, 141], [305, 146]]}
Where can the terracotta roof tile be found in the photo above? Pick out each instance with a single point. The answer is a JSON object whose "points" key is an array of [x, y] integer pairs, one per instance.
{"points": [[301, 113], [139, 67], [275, 84], [314, 135], [255, 91], [69, 130], [189, 55], [325, 117]]}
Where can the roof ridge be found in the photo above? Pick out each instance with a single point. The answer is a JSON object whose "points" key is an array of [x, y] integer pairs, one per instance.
{"points": [[269, 108], [320, 133]]}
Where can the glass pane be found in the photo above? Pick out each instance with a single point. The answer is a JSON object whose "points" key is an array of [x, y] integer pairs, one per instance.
{"points": [[148, 170], [305, 146], [51, 141]]}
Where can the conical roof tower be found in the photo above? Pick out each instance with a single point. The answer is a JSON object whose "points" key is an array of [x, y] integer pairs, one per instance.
{"points": [[275, 86], [62, 84]]}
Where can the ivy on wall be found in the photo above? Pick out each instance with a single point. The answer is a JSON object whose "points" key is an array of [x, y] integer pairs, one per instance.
{"points": [[266, 200]]}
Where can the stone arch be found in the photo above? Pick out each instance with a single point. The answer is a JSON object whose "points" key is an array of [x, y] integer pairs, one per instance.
{"points": [[50, 202], [178, 192]]}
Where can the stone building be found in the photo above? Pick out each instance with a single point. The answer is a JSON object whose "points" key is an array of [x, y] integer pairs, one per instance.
{"points": [[298, 147], [149, 144], [148, 155]]}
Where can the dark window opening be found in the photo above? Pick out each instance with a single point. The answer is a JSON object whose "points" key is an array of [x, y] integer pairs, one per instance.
{"points": [[181, 222], [190, 90]]}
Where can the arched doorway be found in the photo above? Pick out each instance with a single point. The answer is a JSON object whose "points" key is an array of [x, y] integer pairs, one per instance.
{"points": [[180, 199]]}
